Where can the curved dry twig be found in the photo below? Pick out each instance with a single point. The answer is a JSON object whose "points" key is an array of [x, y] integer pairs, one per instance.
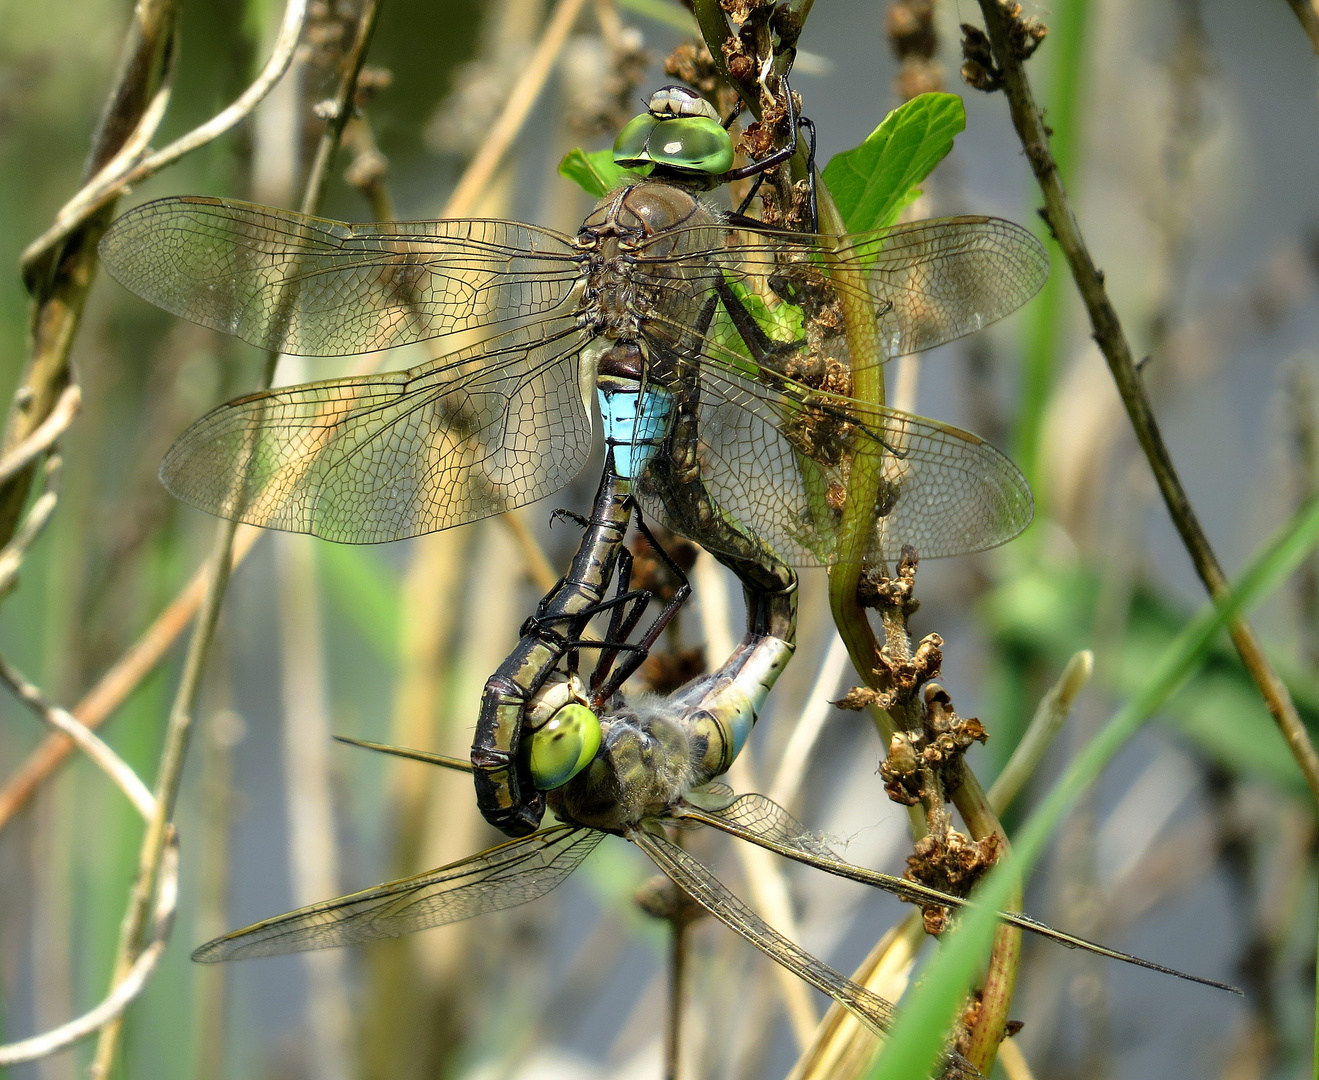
{"points": [[87, 741], [43, 438], [125, 991], [128, 168], [1003, 27], [135, 980], [34, 521]]}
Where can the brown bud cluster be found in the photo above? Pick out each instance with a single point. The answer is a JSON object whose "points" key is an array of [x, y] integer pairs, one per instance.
{"points": [[953, 864]]}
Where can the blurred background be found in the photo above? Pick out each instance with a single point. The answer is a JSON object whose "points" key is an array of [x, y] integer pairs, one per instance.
{"points": [[1188, 136]]}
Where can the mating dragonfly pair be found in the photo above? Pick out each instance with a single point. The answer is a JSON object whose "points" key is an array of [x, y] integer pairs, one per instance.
{"points": [[718, 354]]}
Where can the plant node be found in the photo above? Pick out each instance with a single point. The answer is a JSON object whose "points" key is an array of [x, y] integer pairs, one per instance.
{"points": [[979, 69]]}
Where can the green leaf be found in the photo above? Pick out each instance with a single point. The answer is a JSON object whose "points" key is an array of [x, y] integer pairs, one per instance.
{"points": [[782, 322], [916, 1040], [873, 182], [596, 171]]}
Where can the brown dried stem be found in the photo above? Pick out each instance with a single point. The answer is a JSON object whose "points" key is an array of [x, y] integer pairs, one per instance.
{"points": [[1004, 26], [1308, 16], [59, 287]]}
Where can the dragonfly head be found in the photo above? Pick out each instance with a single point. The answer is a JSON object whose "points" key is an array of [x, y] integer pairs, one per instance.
{"points": [[565, 733], [679, 132]]}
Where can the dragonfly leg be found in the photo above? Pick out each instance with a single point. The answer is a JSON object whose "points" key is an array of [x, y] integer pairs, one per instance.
{"points": [[762, 347], [681, 593]]}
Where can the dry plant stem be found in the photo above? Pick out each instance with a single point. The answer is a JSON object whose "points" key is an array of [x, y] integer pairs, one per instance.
{"points": [[123, 173], [521, 98], [32, 525], [179, 728], [855, 629], [114, 687], [88, 742], [1309, 19], [59, 293], [1014, 1061], [168, 777], [764, 874], [43, 438], [1050, 715], [842, 1047], [840, 1040], [1005, 957], [1112, 341], [679, 938], [806, 731], [136, 664], [126, 989]]}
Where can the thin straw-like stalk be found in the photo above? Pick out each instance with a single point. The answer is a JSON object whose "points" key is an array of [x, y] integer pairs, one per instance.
{"points": [[179, 728], [1308, 16], [521, 98], [1050, 715], [769, 887]]}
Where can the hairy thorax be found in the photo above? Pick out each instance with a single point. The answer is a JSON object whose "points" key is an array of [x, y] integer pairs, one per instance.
{"points": [[634, 266]]}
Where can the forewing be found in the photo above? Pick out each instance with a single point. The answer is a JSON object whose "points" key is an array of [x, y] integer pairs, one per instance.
{"points": [[382, 457], [777, 461], [938, 280], [503, 877], [929, 282], [303, 285], [761, 821], [761, 816], [708, 891]]}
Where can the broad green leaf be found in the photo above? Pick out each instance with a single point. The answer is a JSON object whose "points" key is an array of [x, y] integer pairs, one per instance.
{"points": [[873, 182], [596, 171], [916, 1040]]}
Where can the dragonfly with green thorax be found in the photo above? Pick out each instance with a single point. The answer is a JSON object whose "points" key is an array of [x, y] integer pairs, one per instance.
{"points": [[714, 347], [636, 770]]}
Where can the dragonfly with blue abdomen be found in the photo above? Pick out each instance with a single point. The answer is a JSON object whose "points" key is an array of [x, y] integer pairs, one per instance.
{"points": [[715, 349]]}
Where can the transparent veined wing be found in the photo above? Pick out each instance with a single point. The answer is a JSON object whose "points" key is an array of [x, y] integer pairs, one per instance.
{"points": [[382, 457], [295, 284], [760, 820], [708, 891], [502, 877], [929, 282], [777, 461]]}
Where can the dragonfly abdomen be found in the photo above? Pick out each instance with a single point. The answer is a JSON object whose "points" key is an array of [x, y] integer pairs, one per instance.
{"points": [[634, 412]]}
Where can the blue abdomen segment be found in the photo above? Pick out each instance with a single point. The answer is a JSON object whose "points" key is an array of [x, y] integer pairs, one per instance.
{"points": [[635, 421]]}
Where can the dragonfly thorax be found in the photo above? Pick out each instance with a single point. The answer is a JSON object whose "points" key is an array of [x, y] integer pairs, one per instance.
{"points": [[632, 243]]}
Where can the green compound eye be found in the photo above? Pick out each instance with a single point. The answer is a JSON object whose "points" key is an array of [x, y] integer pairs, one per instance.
{"points": [[690, 143], [564, 746], [630, 146]]}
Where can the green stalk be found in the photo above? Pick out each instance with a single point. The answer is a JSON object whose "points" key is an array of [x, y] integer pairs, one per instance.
{"points": [[867, 465], [917, 1040]]}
